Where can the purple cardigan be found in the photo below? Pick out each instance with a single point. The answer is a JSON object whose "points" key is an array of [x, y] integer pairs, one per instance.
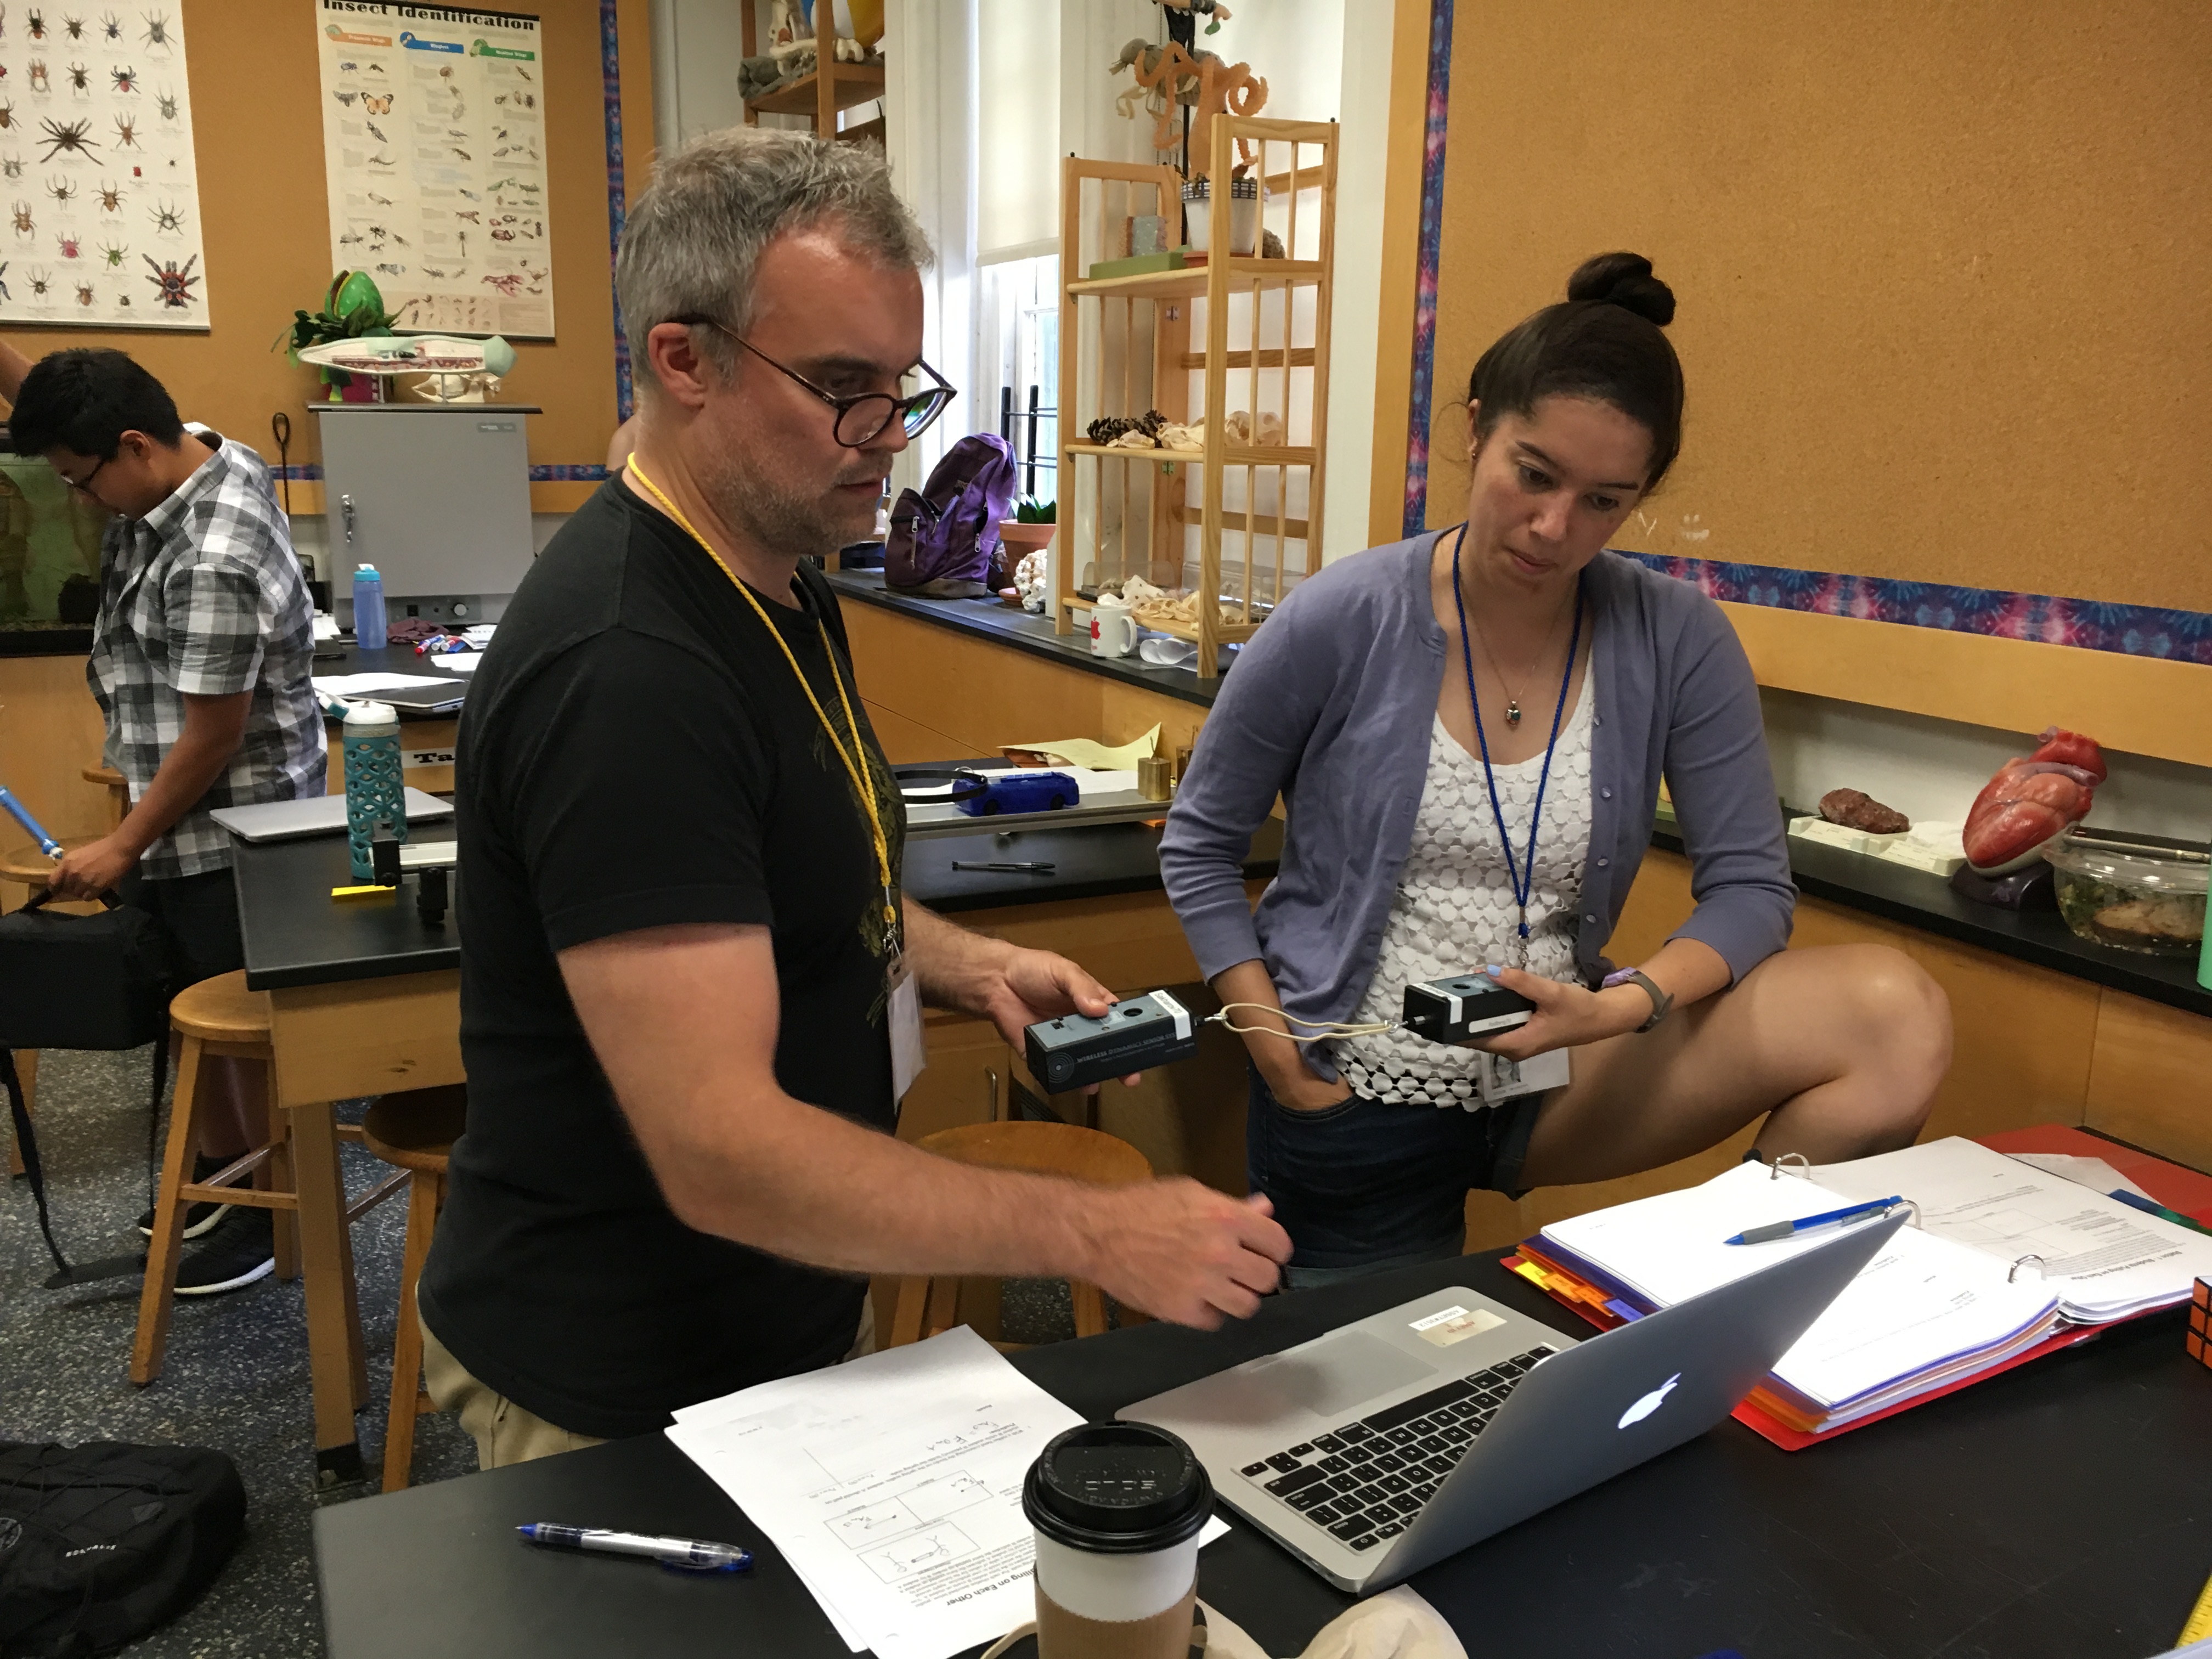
{"points": [[1330, 705]]}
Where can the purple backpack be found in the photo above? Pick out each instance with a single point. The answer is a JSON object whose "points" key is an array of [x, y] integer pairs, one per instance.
{"points": [[944, 535]]}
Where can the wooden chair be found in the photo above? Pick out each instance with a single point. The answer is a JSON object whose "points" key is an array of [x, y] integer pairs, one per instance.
{"points": [[219, 1016], [926, 1306], [415, 1131], [119, 792]]}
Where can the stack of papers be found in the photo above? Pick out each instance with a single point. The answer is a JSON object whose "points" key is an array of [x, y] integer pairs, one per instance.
{"points": [[893, 1487], [1924, 1312], [2104, 1259]]}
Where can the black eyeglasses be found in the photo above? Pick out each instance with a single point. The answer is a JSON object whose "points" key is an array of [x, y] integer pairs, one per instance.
{"points": [[83, 486], [860, 420]]}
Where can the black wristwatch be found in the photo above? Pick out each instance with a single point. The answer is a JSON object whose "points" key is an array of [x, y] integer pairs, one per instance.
{"points": [[1661, 1002]]}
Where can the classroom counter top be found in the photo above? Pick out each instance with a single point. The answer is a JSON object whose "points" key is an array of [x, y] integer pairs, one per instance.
{"points": [[1002, 624], [393, 660], [2040, 938], [294, 934]]}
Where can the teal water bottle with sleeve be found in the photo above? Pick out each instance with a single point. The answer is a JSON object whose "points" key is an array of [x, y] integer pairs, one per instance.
{"points": [[374, 794]]}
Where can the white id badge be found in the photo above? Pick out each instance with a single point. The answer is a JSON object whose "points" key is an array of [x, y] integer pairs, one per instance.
{"points": [[908, 1056], [1498, 1079]]}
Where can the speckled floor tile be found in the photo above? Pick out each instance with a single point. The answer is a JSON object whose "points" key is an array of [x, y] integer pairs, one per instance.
{"points": [[235, 1377]]}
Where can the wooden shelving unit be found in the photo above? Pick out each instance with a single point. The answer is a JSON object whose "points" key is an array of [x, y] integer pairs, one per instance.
{"points": [[832, 89], [1127, 345]]}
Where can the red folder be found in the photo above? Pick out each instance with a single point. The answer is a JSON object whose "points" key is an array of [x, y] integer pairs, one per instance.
{"points": [[2178, 1189]]}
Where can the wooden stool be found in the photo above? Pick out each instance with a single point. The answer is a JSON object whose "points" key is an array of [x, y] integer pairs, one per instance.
{"points": [[30, 866], [119, 792], [219, 1016], [926, 1305], [415, 1131]]}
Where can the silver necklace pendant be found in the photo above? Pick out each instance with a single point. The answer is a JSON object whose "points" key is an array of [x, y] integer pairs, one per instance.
{"points": [[1513, 711]]}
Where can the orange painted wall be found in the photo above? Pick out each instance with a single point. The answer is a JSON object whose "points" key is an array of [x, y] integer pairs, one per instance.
{"points": [[1941, 271]]}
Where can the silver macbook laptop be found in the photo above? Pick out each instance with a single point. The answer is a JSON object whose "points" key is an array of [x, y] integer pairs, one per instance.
{"points": [[1388, 1444]]}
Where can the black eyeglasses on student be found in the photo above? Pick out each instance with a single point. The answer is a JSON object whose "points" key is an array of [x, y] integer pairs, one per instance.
{"points": [[860, 419]]}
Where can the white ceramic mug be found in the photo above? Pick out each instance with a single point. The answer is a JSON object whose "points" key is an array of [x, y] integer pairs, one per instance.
{"points": [[1113, 627]]}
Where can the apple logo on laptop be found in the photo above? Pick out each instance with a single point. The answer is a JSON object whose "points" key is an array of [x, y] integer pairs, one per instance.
{"points": [[1650, 1402]]}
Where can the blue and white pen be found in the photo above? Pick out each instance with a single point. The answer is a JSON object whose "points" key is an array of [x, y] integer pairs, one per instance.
{"points": [[678, 1554], [1774, 1229]]}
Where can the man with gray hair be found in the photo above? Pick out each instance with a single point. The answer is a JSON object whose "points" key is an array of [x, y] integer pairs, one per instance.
{"points": [[689, 983]]}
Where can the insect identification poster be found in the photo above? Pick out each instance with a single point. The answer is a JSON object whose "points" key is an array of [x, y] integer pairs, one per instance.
{"points": [[96, 167], [434, 143]]}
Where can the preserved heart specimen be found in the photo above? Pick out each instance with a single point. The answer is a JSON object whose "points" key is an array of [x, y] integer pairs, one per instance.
{"points": [[2032, 799]]}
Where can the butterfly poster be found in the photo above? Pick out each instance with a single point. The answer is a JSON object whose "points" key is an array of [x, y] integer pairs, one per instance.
{"points": [[433, 145], [96, 170]]}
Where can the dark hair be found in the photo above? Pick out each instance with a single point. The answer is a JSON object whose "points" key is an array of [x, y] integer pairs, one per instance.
{"points": [[1603, 343], [86, 400]]}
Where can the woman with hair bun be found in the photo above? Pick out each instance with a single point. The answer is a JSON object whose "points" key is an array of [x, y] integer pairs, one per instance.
{"points": [[1468, 732]]}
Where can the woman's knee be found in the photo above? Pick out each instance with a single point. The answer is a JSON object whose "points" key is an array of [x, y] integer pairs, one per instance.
{"points": [[1896, 1019]]}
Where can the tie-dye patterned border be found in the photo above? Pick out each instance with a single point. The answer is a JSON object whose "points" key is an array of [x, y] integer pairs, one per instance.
{"points": [[2134, 630], [1425, 268]]}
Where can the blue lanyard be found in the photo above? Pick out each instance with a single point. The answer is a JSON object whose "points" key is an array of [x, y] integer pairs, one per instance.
{"points": [[1523, 874]]}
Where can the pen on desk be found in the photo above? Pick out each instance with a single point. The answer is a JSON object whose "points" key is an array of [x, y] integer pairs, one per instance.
{"points": [[679, 1554], [1774, 1229], [1030, 867]]}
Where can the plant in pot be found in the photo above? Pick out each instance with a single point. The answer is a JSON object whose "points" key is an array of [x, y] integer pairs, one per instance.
{"points": [[353, 309], [1023, 538], [1032, 527]]}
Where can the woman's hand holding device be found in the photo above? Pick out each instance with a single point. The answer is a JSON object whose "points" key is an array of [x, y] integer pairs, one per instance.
{"points": [[1567, 1017]]}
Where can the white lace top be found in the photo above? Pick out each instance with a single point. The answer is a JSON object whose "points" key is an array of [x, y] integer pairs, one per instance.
{"points": [[1453, 909]]}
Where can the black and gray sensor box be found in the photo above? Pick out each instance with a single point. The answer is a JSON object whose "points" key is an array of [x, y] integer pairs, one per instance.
{"points": [[1470, 1005], [1076, 1050]]}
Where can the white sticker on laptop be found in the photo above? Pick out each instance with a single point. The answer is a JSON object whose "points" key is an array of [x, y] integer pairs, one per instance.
{"points": [[1456, 1325]]}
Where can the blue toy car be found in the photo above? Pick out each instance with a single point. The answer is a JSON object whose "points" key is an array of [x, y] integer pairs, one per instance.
{"points": [[1019, 792]]}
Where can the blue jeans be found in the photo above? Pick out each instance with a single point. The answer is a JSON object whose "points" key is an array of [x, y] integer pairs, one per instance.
{"points": [[1365, 1186]]}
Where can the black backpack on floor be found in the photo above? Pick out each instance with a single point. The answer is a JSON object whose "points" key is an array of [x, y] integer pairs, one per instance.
{"points": [[102, 1542]]}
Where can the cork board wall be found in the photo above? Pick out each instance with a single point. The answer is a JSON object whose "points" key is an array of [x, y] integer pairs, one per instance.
{"points": [[259, 134], [1941, 271]]}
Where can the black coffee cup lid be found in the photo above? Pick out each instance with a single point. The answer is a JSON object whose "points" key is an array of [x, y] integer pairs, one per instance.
{"points": [[1118, 1489]]}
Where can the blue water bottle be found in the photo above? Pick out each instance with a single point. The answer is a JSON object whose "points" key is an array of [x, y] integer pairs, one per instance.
{"points": [[369, 622], [375, 795]]}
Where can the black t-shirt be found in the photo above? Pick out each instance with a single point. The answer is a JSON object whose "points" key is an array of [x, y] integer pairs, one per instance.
{"points": [[635, 751]]}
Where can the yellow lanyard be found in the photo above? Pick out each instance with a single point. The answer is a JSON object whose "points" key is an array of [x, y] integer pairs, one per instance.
{"points": [[856, 759]]}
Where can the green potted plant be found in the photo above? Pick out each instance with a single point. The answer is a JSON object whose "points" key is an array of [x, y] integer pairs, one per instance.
{"points": [[353, 309], [1030, 528]]}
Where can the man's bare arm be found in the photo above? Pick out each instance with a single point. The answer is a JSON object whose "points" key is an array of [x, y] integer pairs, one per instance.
{"points": [[736, 1157], [213, 728]]}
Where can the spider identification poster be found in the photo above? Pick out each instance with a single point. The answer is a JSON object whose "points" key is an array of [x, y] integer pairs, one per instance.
{"points": [[97, 166], [434, 145]]}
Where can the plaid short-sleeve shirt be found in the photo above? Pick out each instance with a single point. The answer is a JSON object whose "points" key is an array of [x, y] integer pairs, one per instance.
{"points": [[204, 597]]}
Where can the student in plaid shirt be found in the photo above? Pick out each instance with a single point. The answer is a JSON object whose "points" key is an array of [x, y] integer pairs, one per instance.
{"points": [[200, 661]]}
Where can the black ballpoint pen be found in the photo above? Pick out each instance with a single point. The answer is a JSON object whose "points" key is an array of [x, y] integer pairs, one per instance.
{"points": [[1029, 867]]}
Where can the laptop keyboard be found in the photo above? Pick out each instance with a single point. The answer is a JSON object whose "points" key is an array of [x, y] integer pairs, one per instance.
{"points": [[1365, 1482]]}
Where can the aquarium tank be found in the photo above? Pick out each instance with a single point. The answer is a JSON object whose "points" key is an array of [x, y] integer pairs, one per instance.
{"points": [[49, 558]]}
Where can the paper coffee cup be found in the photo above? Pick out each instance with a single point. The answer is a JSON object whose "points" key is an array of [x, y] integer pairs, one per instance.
{"points": [[1118, 1508]]}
